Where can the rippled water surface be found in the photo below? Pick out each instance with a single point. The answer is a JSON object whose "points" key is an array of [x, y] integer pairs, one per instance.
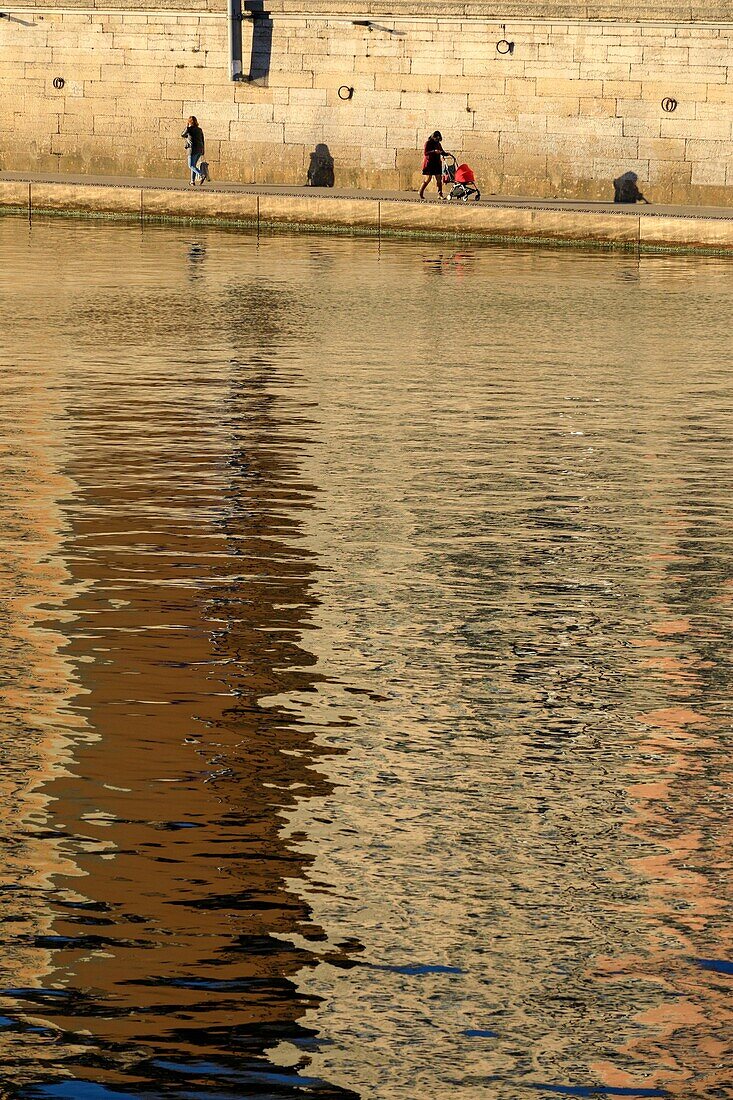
{"points": [[365, 652]]}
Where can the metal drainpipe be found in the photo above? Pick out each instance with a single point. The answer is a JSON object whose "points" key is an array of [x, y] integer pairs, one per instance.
{"points": [[234, 13]]}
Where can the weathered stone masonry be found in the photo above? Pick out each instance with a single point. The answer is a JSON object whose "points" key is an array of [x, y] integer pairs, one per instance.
{"points": [[577, 101]]}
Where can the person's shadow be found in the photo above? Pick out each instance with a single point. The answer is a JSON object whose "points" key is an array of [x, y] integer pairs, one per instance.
{"points": [[626, 189], [321, 168]]}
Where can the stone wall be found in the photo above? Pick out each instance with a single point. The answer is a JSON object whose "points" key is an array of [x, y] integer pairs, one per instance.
{"points": [[575, 103]]}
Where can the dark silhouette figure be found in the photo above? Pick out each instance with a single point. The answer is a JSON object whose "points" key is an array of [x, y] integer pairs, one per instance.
{"points": [[321, 167], [626, 189]]}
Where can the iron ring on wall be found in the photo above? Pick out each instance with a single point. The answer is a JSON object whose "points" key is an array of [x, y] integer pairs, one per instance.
{"points": [[669, 104], [503, 46], [345, 92], [58, 83]]}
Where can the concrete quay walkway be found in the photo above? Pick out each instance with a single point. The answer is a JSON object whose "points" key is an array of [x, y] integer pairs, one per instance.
{"points": [[371, 213]]}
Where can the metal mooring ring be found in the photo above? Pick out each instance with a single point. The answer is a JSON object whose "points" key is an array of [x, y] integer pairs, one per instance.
{"points": [[58, 83], [503, 46], [669, 104], [345, 92]]}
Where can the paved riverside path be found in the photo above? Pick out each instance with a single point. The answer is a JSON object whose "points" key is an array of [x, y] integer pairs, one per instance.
{"points": [[397, 212]]}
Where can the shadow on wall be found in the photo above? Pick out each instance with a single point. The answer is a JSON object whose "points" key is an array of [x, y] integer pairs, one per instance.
{"points": [[260, 59], [321, 167], [626, 189]]}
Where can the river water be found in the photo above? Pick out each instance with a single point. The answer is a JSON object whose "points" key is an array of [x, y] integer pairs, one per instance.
{"points": [[365, 652]]}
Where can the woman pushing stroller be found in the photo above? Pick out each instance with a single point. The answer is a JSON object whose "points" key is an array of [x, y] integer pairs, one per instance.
{"points": [[432, 163], [444, 167]]}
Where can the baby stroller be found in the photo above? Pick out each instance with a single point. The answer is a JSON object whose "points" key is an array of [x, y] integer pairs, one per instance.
{"points": [[460, 179]]}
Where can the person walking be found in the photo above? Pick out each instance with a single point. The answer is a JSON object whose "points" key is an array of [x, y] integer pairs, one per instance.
{"points": [[194, 136], [432, 164]]}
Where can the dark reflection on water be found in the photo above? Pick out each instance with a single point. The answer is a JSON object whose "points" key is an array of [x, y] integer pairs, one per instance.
{"points": [[366, 646], [192, 591]]}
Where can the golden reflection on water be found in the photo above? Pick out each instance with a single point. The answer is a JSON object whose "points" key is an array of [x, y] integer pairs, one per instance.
{"points": [[365, 651]]}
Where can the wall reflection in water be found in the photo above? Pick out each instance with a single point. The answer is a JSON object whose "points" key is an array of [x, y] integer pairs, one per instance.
{"points": [[366, 654], [192, 592]]}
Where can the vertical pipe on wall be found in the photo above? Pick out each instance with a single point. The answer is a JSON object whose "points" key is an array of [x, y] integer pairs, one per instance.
{"points": [[234, 12]]}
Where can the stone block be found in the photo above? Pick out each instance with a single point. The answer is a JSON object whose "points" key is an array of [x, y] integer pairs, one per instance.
{"points": [[596, 108], [652, 109], [386, 65], [371, 101], [696, 74], [700, 32], [243, 112], [608, 168], [15, 54], [703, 232], [370, 117], [642, 127], [291, 81], [583, 125], [698, 150], [397, 82], [575, 147], [625, 54], [87, 106], [518, 86], [112, 125], [445, 104], [592, 52], [709, 172], [665, 55], [85, 197], [404, 137], [622, 89], [617, 71], [480, 145], [222, 93], [261, 163], [333, 81], [353, 117], [584, 225], [45, 73], [314, 210], [557, 87], [434, 68], [665, 175], [455, 219], [479, 67], [357, 136], [378, 158], [523, 164], [709, 54], [709, 130], [301, 133], [14, 194], [100, 90], [125, 39], [532, 124], [202, 203], [663, 149], [545, 70], [257, 131], [494, 84], [347, 47], [173, 93]]}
